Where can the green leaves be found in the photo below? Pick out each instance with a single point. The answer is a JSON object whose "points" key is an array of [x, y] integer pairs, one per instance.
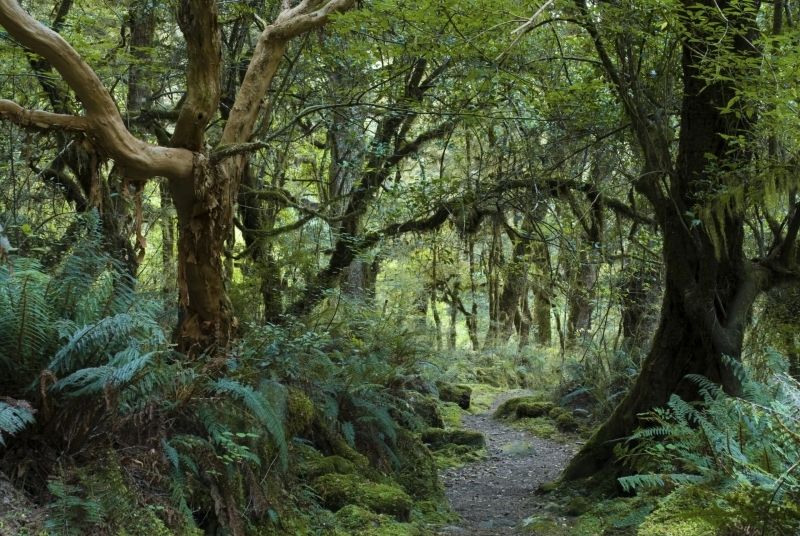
{"points": [[14, 417]]}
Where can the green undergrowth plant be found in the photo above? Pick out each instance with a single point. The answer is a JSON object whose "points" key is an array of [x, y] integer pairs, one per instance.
{"points": [[87, 372], [75, 331], [595, 379], [356, 375], [502, 368], [85, 366], [737, 456]]}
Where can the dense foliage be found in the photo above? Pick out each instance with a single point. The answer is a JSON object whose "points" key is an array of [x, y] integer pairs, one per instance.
{"points": [[255, 256]]}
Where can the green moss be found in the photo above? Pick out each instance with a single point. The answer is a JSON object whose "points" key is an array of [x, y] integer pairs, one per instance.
{"points": [[437, 438], [417, 471], [296, 525], [566, 422], [538, 426], [426, 408], [326, 465], [451, 415], [522, 407], [679, 514], [544, 526], [357, 521], [337, 491], [483, 396], [533, 409], [299, 412], [457, 455], [103, 484], [459, 394], [577, 506], [547, 487], [433, 512], [497, 376]]}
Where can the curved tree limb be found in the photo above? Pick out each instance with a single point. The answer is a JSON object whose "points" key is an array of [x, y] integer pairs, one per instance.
{"points": [[104, 122], [40, 119]]}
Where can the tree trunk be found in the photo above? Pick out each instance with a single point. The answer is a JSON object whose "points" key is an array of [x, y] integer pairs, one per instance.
{"points": [[542, 306], [515, 288], [167, 241], [581, 299], [709, 284], [257, 218], [493, 264], [347, 140], [682, 345], [524, 323], [639, 291], [206, 322]]}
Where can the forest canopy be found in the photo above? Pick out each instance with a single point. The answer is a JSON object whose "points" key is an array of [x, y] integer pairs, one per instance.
{"points": [[241, 239]]}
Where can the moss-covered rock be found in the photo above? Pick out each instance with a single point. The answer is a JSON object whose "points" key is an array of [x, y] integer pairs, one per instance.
{"points": [[577, 506], [357, 521], [426, 408], [437, 438], [337, 491], [417, 471], [497, 376], [523, 407], [451, 415], [330, 441], [299, 412], [326, 465], [460, 394], [483, 397], [566, 422]]}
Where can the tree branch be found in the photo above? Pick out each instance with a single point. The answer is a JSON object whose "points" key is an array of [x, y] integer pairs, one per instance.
{"points": [[105, 124], [41, 120]]}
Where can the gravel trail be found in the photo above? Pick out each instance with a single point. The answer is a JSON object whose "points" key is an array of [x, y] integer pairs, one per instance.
{"points": [[494, 495]]}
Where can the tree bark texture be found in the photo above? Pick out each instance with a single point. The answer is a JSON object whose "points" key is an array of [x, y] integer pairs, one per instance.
{"points": [[709, 284]]}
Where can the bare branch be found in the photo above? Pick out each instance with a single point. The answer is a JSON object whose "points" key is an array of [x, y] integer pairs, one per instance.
{"points": [[39, 119]]}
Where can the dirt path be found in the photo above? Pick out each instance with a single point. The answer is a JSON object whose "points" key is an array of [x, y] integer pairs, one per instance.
{"points": [[494, 495]]}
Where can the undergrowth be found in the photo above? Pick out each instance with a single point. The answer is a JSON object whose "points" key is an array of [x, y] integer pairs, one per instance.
{"points": [[88, 373], [738, 455]]}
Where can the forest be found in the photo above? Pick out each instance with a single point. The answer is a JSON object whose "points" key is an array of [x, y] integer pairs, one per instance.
{"points": [[395, 268]]}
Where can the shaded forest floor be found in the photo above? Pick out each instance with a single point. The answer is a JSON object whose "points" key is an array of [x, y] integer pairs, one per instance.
{"points": [[495, 495]]}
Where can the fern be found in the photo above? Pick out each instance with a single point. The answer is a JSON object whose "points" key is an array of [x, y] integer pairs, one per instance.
{"points": [[119, 372], [13, 418], [69, 513], [260, 409], [26, 318], [733, 447]]}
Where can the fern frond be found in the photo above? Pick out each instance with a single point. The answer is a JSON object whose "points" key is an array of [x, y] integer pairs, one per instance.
{"points": [[260, 409], [13, 418], [634, 482]]}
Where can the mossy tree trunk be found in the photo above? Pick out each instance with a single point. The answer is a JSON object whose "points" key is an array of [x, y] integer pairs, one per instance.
{"points": [[709, 283]]}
